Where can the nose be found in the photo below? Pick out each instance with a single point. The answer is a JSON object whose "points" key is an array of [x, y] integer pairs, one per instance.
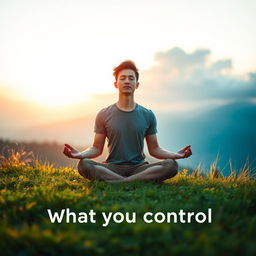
{"points": [[127, 80]]}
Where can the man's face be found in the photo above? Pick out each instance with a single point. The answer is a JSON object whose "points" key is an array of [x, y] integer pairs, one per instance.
{"points": [[126, 81]]}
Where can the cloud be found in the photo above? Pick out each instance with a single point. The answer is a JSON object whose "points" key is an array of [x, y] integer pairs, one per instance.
{"points": [[180, 76], [178, 59]]}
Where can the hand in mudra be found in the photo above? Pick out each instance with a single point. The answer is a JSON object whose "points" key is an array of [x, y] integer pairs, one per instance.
{"points": [[71, 152], [184, 153]]}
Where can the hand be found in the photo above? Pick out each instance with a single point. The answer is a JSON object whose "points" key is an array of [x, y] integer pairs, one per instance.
{"points": [[184, 153], [71, 152]]}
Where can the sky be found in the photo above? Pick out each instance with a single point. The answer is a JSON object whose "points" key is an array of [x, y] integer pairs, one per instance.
{"points": [[58, 54], [197, 62]]}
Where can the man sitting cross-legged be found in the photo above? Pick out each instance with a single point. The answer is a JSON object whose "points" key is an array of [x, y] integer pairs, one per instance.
{"points": [[125, 124]]}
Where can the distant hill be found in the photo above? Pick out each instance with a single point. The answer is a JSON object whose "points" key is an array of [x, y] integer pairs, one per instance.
{"points": [[227, 131], [46, 152], [78, 131]]}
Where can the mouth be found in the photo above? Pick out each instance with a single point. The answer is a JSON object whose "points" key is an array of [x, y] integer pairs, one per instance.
{"points": [[127, 87]]}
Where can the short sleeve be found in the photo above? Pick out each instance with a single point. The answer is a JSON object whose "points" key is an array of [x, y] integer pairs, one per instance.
{"points": [[152, 127], [99, 126]]}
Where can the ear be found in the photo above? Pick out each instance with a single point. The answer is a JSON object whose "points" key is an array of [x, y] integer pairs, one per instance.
{"points": [[137, 85], [115, 84]]}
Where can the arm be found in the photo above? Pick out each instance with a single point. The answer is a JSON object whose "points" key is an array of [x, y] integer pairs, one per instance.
{"points": [[94, 151], [157, 152]]}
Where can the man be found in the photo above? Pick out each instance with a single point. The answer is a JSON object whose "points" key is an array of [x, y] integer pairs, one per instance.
{"points": [[125, 124]]}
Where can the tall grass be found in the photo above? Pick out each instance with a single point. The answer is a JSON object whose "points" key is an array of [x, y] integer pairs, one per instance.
{"points": [[12, 158], [21, 158], [28, 188]]}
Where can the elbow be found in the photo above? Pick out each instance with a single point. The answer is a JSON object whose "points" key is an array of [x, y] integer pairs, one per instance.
{"points": [[153, 152], [99, 152], [156, 156]]}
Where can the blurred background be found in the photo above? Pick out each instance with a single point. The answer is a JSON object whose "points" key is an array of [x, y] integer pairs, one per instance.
{"points": [[197, 64]]}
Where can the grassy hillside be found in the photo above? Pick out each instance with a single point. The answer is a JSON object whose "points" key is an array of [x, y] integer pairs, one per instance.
{"points": [[27, 192], [50, 152]]}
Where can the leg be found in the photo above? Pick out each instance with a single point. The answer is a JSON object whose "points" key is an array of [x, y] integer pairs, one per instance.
{"points": [[95, 171], [154, 172]]}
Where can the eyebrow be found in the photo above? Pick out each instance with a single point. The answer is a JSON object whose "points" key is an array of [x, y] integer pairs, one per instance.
{"points": [[126, 76]]}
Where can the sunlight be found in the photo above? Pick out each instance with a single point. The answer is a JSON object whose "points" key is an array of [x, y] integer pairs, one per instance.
{"points": [[51, 96], [57, 79], [58, 71]]}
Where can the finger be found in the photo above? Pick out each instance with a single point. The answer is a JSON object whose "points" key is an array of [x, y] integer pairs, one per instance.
{"points": [[187, 153], [67, 152], [187, 147], [68, 146]]}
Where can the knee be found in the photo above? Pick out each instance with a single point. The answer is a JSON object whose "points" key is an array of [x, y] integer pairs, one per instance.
{"points": [[84, 166], [172, 166]]}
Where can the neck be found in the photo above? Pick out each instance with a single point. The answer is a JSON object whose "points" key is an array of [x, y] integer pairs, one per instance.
{"points": [[126, 102]]}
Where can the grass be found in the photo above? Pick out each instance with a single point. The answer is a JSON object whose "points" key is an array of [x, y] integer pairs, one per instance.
{"points": [[27, 191]]}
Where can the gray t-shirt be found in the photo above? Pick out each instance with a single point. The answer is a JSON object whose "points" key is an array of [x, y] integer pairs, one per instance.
{"points": [[125, 132]]}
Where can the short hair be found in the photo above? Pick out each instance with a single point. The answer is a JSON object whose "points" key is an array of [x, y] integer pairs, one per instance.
{"points": [[127, 64]]}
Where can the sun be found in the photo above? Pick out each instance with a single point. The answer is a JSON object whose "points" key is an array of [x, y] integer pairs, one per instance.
{"points": [[62, 85], [56, 72]]}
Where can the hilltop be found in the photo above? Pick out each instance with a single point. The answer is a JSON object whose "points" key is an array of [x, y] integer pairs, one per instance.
{"points": [[28, 192]]}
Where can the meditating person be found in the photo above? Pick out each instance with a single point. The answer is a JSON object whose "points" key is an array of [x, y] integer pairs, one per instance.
{"points": [[125, 124]]}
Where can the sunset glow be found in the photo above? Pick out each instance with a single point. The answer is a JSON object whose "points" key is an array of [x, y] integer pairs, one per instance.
{"points": [[62, 54]]}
